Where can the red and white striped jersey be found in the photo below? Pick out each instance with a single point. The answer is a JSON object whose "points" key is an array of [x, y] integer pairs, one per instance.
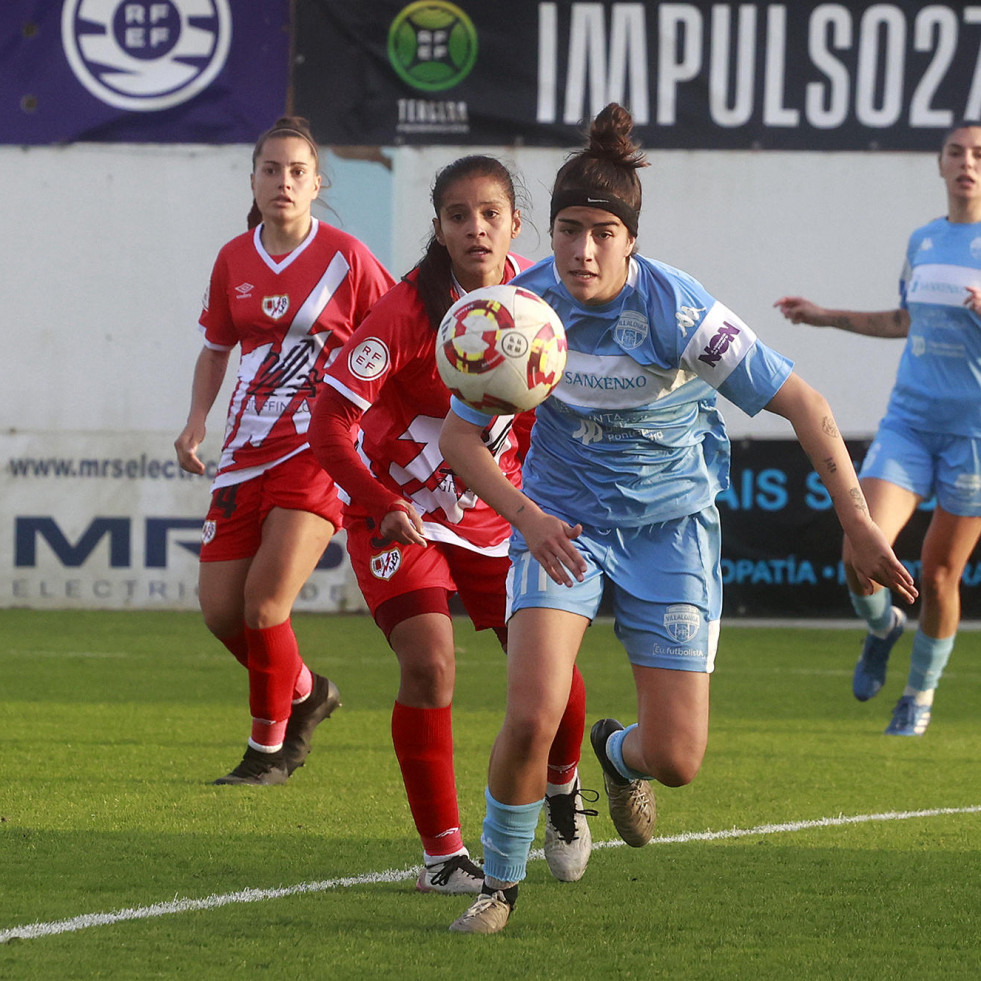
{"points": [[290, 314], [388, 370]]}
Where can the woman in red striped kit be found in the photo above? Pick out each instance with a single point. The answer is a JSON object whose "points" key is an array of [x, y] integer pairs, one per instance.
{"points": [[290, 291], [416, 534]]}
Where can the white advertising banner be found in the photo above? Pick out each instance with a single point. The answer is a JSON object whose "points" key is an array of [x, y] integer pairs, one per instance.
{"points": [[110, 521]]}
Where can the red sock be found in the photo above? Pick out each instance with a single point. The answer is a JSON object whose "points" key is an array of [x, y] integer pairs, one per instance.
{"points": [[566, 748], [274, 663], [239, 646], [423, 741]]}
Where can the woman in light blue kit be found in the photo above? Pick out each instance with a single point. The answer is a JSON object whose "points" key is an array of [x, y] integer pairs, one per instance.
{"points": [[626, 459], [930, 439]]}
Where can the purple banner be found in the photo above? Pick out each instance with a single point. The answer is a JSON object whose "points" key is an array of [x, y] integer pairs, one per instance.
{"points": [[163, 71]]}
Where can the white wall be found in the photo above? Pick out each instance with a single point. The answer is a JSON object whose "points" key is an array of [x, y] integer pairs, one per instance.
{"points": [[106, 252], [104, 259]]}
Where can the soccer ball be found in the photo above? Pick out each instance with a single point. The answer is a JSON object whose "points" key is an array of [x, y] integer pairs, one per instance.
{"points": [[501, 349]]}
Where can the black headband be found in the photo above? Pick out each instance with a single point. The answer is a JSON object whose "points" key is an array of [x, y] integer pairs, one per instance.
{"points": [[577, 197]]}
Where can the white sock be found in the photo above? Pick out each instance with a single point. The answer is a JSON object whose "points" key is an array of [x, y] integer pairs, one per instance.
{"points": [[920, 697], [882, 634], [552, 789], [436, 859]]}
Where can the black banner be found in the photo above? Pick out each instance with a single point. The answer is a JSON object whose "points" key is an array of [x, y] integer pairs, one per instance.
{"points": [[791, 76], [781, 541]]}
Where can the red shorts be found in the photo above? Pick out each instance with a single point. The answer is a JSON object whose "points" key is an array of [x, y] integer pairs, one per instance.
{"points": [[402, 581], [233, 526]]}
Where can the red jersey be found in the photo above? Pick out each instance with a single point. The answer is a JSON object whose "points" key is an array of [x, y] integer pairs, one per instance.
{"points": [[388, 371], [291, 314]]}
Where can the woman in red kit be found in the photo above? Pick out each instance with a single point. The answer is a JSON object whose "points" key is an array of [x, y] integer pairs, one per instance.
{"points": [[416, 535], [290, 291]]}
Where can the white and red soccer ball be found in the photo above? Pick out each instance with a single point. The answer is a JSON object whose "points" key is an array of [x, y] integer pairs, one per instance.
{"points": [[501, 349]]}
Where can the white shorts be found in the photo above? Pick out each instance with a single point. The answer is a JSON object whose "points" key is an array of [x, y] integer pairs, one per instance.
{"points": [[666, 585]]}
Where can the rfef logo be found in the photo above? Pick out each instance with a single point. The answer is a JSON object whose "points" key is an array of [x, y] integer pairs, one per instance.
{"points": [[146, 55]]}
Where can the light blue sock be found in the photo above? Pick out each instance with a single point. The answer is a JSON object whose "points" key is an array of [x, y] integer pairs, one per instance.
{"points": [[875, 610], [614, 750], [509, 830], [928, 661]]}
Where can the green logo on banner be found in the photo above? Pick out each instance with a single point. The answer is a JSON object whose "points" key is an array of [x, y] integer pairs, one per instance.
{"points": [[432, 45]]}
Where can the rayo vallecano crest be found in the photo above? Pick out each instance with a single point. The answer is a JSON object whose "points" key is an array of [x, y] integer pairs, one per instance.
{"points": [[682, 621], [275, 306], [385, 564]]}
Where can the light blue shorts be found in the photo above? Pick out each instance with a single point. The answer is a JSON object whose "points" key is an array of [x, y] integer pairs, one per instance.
{"points": [[666, 585], [927, 464]]}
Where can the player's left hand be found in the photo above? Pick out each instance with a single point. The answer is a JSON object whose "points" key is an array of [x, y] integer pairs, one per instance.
{"points": [[874, 561], [973, 301], [403, 525]]}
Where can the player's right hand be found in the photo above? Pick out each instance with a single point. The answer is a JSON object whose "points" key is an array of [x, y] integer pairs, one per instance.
{"points": [[551, 541], [798, 310], [186, 445]]}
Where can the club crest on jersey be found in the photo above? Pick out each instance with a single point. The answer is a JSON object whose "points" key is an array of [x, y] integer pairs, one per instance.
{"points": [[385, 564], [631, 330], [208, 530], [682, 622], [275, 307]]}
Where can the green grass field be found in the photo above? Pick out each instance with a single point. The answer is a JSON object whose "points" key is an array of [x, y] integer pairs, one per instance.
{"points": [[810, 845]]}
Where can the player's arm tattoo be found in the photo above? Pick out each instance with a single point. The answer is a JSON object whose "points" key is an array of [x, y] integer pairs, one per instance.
{"points": [[858, 499], [831, 465], [887, 323], [829, 428]]}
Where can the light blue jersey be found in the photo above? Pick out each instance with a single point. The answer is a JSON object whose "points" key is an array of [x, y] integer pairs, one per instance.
{"points": [[632, 435], [938, 384]]}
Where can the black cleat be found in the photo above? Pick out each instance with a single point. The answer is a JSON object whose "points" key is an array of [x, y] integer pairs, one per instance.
{"points": [[305, 717], [258, 769]]}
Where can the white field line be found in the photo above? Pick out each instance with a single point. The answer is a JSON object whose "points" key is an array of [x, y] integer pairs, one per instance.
{"points": [[87, 920]]}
